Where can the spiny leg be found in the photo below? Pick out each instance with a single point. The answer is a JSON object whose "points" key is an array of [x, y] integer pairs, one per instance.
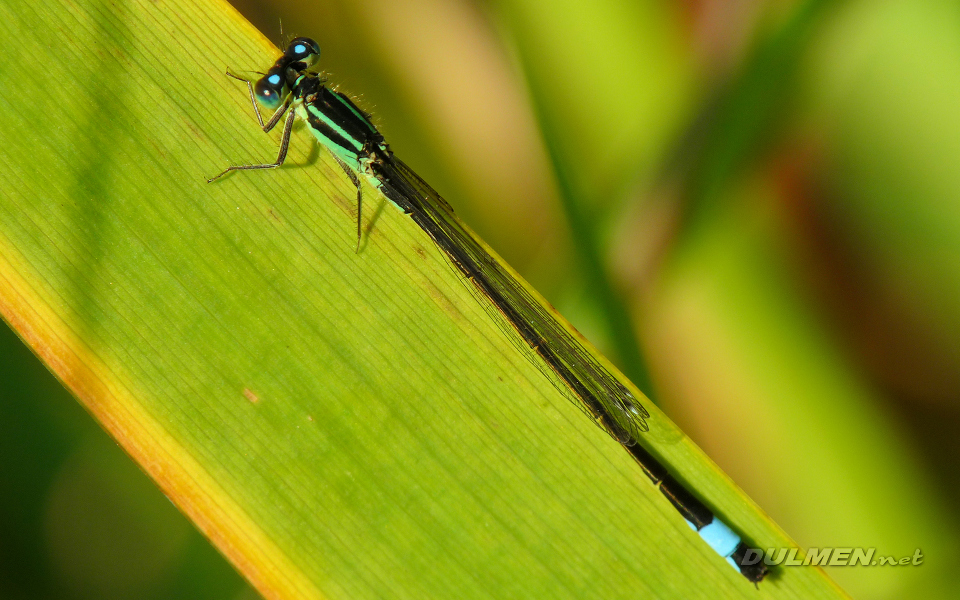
{"points": [[356, 181], [281, 156]]}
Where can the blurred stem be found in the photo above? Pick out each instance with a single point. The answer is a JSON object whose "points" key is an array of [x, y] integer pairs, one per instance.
{"points": [[743, 117], [586, 246]]}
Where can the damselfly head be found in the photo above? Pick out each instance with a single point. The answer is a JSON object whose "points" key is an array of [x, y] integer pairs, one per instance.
{"points": [[271, 89], [304, 51]]}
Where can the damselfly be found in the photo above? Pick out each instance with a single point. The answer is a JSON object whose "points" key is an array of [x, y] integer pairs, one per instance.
{"points": [[290, 87]]}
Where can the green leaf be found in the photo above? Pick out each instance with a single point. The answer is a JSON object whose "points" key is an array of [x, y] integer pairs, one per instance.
{"points": [[339, 424]]}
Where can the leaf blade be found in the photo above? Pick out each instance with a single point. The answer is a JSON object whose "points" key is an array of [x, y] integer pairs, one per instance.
{"points": [[340, 425]]}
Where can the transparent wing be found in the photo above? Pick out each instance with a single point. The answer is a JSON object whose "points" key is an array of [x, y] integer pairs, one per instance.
{"points": [[531, 325]]}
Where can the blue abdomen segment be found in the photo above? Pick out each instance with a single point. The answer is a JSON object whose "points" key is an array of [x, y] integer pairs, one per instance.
{"points": [[719, 537], [711, 530]]}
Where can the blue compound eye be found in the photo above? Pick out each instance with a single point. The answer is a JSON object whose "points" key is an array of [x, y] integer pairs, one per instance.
{"points": [[271, 89], [268, 98], [303, 50]]}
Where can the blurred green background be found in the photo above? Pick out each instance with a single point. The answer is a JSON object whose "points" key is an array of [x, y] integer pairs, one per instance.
{"points": [[752, 206]]}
